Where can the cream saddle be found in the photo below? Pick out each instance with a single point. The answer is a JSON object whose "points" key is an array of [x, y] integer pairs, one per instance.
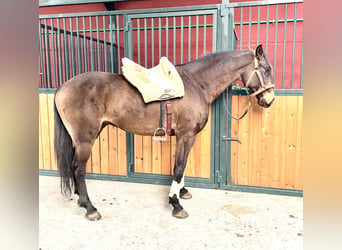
{"points": [[159, 83]]}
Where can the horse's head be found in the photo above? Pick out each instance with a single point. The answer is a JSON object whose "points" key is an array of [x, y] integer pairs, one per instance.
{"points": [[258, 78]]}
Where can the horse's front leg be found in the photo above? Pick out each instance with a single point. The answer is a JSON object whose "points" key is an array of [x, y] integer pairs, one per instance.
{"points": [[177, 190]]}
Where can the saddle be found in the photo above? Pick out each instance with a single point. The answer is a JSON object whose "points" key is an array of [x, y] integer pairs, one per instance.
{"points": [[161, 82]]}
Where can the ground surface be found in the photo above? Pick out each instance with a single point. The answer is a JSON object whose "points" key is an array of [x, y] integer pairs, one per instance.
{"points": [[137, 216]]}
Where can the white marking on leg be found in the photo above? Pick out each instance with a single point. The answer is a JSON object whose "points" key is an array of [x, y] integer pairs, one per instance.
{"points": [[176, 187]]}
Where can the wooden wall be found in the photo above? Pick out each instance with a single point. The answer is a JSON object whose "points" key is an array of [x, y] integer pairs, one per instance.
{"points": [[158, 158], [271, 151], [109, 153]]}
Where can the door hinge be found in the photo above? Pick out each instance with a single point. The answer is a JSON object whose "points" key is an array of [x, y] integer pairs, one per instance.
{"points": [[225, 138], [127, 26]]}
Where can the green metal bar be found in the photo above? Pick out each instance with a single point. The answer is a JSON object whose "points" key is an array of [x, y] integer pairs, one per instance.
{"points": [[47, 62], [189, 43], [152, 42], [214, 31], [205, 35], [92, 50], [249, 27], [145, 42], [182, 39], [60, 53], [258, 23], [79, 59], [85, 47], [138, 38], [241, 28], [66, 52], [275, 45], [118, 43], [72, 51], [99, 66], [159, 33], [41, 56], [196, 36], [111, 44], [267, 26], [105, 46], [174, 40], [167, 36], [284, 49], [53, 55], [268, 21], [294, 46]]}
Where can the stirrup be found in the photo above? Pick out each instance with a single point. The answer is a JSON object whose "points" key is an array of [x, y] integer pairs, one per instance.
{"points": [[160, 138]]}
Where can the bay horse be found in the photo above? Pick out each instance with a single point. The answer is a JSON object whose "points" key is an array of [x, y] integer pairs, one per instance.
{"points": [[88, 102]]}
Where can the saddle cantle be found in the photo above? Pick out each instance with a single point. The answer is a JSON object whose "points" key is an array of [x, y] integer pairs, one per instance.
{"points": [[161, 82]]}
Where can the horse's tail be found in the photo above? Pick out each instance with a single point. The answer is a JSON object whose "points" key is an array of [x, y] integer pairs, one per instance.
{"points": [[64, 152]]}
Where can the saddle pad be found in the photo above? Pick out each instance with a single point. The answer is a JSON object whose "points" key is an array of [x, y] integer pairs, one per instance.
{"points": [[161, 82]]}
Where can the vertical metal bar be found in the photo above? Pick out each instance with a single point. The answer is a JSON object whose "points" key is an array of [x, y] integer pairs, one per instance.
{"points": [[205, 34], [249, 26], [118, 42], [189, 37], [152, 38], [47, 62], [294, 45], [214, 37], [66, 52], [182, 38], [79, 60], [41, 56], [53, 53], [196, 36], [106, 69], [145, 41], [275, 44], [284, 47], [241, 28], [85, 46], [44, 76], [99, 66], [60, 65], [174, 40], [167, 35], [92, 52], [111, 44], [258, 29], [138, 38], [160, 42], [267, 26], [72, 50]]}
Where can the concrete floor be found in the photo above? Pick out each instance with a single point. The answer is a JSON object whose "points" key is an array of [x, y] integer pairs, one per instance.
{"points": [[137, 216]]}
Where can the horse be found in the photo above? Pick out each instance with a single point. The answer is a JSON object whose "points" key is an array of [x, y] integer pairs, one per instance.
{"points": [[88, 102]]}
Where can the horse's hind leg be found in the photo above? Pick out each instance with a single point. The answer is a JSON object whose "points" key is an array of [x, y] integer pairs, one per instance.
{"points": [[82, 153], [183, 146]]}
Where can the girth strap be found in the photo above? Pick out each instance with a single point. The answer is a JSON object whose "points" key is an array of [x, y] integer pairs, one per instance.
{"points": [[168, 117]]}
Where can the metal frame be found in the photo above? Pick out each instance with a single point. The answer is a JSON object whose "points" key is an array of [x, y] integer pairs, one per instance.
{"points": [[220, 151]]}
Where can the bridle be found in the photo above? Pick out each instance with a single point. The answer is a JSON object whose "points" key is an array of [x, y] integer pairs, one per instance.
{"points": [[263, 87]]}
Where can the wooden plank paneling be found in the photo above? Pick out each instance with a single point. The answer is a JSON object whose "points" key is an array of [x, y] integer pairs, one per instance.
{"points": [[109, 153], [271, 151], [158, 157]]}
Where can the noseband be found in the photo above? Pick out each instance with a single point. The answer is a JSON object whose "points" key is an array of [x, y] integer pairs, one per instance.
{"points": [[256, 71]]}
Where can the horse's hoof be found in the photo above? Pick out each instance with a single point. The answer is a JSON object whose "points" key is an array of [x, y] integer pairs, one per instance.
{"points": [[182, 214], [93, 216], [186, 196]]}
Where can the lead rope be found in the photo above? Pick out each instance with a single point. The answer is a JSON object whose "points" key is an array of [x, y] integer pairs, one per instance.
{"points": [[246, 110]]}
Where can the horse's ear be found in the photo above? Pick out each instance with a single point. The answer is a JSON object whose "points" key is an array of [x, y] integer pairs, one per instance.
{"points": [[259, 52]]}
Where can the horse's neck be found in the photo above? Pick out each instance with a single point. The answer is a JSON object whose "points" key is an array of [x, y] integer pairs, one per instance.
{"points": [[214, 73]]}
